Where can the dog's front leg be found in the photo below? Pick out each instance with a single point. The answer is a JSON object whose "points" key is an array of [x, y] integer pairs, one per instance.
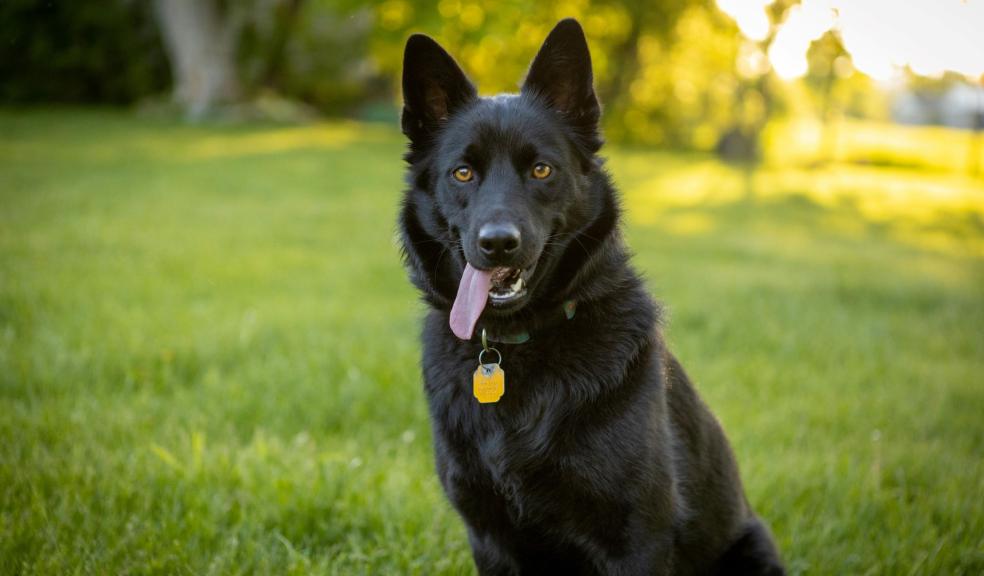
{"points": [[492, 557], [637, 538]]}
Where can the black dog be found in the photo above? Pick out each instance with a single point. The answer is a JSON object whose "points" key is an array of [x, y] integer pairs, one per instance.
{"points": [[595, 456]]}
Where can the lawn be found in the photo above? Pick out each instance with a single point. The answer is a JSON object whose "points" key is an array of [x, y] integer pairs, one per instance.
{"points": [[209, 357]]}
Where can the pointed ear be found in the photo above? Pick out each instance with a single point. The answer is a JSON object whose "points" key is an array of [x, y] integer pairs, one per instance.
{"points": [[561, 75], [433, 87]]}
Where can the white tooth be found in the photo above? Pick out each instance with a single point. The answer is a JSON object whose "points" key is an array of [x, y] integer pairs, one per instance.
{"points": [[516, 287]]}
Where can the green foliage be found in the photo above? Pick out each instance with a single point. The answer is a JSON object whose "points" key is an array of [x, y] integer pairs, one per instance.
{"points": [[69, 51], [685, 90], [494, 44], [664, 69], [209, 358]]}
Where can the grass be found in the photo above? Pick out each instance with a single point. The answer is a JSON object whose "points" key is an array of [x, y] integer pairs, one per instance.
{"points": [[866, 142], [208, 355]]}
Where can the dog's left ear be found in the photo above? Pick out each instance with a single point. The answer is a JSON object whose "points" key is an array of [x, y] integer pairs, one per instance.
{"points": [[561, 76]]}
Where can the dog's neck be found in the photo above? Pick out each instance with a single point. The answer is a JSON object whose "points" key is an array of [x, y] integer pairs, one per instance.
{"points": [[522, 334]]}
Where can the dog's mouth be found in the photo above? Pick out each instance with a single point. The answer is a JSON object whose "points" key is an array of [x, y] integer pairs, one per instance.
{"points": [[508, 285], [504, 286]]}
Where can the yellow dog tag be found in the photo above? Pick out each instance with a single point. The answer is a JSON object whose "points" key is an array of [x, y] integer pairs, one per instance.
{"points": [[489, 383]]}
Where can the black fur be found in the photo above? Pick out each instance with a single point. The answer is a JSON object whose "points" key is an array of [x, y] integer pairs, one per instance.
{"points": [[600, 458]]}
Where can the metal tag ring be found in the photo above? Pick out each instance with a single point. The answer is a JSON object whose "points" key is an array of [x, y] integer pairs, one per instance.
{"points": [[497, 353]]}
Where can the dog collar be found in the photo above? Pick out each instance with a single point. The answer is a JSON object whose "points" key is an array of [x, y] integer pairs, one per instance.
{"points": [[568, 308]]}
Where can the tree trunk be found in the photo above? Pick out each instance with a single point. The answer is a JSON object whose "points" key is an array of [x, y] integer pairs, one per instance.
{"points": [[976, 135], [201, 46], [828, 134], [624, 65], [285, 17]]}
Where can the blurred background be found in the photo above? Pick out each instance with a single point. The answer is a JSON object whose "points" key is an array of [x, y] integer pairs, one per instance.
{"points": [[704, 75], [208, 346]]}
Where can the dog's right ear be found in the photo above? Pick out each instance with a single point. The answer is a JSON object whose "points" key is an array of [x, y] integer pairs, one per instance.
{"points": [[433, 87]]}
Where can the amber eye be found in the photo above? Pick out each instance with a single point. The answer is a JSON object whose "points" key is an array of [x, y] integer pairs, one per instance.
{"points": [[541, 170], [463, 174]]}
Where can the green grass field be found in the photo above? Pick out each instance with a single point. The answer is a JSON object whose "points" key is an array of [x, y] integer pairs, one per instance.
{"points": [[209, 357]]}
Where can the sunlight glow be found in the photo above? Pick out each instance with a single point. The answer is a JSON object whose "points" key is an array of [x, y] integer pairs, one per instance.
{"points": [[749, 15], [804, 24], [882, 36]]}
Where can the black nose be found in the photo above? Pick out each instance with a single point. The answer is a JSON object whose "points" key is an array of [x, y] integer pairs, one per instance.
{"points": [[498, 241]]}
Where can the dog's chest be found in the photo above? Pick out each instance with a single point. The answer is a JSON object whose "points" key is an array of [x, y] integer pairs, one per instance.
{"points": [[509, 450], [518, 466], [529, 454]]}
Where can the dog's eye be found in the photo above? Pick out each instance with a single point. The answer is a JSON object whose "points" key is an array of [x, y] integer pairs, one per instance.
{"points": [[463, 174], [541, 170]]}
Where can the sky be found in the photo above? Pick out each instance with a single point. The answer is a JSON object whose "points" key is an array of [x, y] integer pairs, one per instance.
{"points": [[881, 36]]}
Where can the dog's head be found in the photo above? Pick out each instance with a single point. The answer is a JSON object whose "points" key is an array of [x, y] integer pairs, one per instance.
{"points": [[501, 188]]}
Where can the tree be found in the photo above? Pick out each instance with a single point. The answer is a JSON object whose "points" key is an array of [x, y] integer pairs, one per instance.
{"points": [[81, 52], [200, 37], [263, 58], [827, 62], [656, 19], [754, 95]]}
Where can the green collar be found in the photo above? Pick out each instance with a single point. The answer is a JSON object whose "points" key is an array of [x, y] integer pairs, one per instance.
{"points": [[568, 308]]}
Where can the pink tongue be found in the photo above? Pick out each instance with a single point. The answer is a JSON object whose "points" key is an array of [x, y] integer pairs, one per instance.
{"points": [[473, 293]]}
